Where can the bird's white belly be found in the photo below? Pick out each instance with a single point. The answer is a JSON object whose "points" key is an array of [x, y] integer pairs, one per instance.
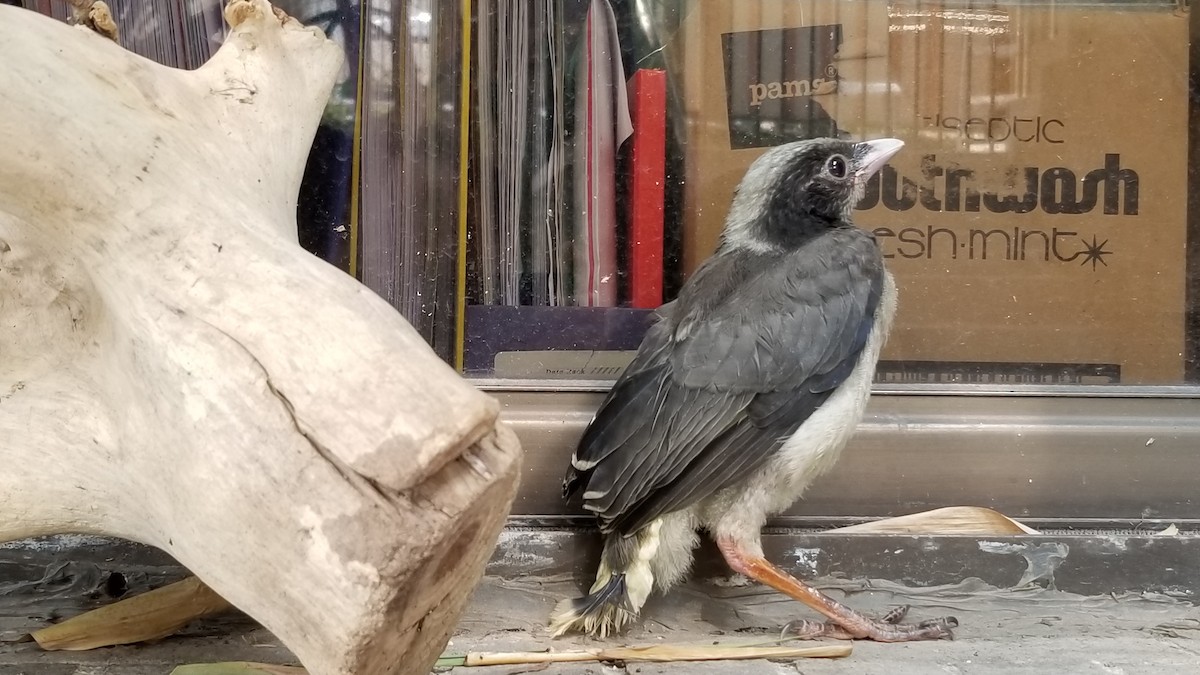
{"points": [[810, 451], [815, 446]]}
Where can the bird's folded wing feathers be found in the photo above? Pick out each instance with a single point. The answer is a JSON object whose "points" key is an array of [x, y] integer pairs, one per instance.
{"points": [[720, 382]]}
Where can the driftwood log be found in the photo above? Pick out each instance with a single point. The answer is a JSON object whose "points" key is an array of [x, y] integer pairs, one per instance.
{"points": [[176, 370]]}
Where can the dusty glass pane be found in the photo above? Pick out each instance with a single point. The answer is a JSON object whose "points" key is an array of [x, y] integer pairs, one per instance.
{"points": [[412, 148], [1036, 221]]}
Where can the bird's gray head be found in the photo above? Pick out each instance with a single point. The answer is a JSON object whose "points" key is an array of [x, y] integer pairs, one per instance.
{"points": [[795, 191]]}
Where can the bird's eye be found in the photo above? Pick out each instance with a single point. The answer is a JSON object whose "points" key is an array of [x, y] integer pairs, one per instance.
{"points": [[836, 166]]}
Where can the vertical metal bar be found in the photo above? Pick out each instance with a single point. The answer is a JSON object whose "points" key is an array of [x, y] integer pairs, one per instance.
{"points": [[464, 143]]}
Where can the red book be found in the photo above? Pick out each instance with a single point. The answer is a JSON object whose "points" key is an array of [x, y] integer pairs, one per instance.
{"points": [[648, 165]]}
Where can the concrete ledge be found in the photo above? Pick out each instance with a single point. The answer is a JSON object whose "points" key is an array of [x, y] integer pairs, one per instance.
{"points": [[1060, 603]]}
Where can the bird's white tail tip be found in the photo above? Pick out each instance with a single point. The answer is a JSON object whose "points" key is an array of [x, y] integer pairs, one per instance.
{"points": [[599, 614]]}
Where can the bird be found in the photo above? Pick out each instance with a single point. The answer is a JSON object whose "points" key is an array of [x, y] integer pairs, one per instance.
{"points": [[744, 389]]}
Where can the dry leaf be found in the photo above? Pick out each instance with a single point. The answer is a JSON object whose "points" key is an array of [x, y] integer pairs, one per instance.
{"points": [[949, 520], [149, 616]]}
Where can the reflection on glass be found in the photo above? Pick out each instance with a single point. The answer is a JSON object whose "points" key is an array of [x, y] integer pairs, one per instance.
{"points": [[1036, 220], [411, 134], [176, 33], [325, 210]]}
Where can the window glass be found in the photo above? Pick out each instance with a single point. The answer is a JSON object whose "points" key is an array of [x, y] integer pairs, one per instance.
{"points": [[413, 151], [527, 181], [1036, 221]]}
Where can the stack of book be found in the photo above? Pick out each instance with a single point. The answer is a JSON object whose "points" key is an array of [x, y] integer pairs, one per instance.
{"points": [[568, 245]]}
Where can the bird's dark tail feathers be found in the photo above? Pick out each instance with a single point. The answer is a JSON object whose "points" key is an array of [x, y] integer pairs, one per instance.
{"points": [[598, 613], [623, 583]]}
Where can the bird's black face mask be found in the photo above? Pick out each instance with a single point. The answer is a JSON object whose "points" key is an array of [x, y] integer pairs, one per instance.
{"points": [[819, 187]]}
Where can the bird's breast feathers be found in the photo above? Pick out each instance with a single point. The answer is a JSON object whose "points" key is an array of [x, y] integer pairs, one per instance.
{"points": [[814, 447]]}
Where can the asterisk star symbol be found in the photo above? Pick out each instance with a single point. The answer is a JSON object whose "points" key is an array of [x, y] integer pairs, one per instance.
{"points": [[1094, 253]]}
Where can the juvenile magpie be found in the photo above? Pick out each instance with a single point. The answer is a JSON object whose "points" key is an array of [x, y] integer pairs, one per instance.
{"points": [[743, 391]]}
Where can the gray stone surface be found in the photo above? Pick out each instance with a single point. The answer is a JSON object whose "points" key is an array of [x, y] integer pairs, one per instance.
{"points": [[1009, 631]]}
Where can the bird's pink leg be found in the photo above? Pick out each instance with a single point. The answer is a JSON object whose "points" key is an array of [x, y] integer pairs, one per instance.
{"points": [[845, 623]]}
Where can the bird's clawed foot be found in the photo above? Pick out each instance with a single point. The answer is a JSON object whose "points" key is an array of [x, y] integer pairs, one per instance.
{"points": [[885, 629]]}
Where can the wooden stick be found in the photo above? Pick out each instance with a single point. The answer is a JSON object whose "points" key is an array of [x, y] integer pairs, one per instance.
{"points": [[658, 653], [149, 616], [237, 668]]}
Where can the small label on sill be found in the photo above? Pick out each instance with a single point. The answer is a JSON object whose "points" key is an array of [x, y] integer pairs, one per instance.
{"points": [[562, 364]]}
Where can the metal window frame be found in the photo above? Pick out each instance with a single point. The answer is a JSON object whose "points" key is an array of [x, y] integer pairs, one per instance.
{"points": [[1114, 458], [1095, 457]]}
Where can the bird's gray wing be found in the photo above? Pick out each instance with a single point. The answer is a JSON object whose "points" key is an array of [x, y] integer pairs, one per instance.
{"points": [[724, 377]]}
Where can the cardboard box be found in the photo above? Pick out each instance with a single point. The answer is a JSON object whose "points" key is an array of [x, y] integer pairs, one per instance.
{"points": [[1036, 219]]}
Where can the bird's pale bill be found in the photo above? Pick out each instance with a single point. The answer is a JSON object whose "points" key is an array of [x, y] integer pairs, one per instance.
{"points": [[870, 156]]}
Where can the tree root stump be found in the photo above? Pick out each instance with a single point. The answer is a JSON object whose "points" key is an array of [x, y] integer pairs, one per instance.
{"points": [[177, 371]]}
